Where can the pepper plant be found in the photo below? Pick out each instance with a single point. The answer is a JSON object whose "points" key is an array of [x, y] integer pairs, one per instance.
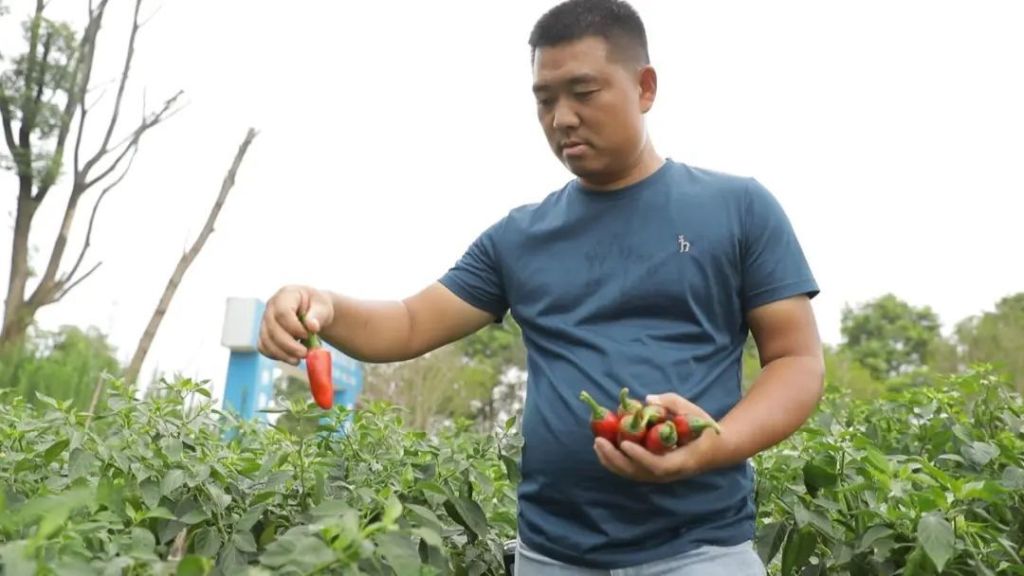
{"points": [[925, 479]]}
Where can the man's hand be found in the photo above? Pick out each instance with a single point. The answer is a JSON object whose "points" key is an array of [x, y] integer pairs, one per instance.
{"points": [[637, 463], [281, 329]]}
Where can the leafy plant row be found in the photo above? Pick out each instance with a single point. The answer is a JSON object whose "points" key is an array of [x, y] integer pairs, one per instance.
{"points": [[173, 486], [923, 480]]}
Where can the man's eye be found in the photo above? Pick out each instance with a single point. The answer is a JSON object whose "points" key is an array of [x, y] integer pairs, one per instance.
{"points": [[585, 94]]}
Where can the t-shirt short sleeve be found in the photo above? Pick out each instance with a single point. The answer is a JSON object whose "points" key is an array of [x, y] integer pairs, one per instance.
{"points": [[476, 277], [774, 265]]}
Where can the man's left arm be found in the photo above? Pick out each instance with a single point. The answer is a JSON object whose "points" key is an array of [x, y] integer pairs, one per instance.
{"points": [[783, 396], [777, 404]]}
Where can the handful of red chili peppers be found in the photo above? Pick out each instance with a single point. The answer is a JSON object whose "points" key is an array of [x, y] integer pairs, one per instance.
{"points": [[650, 425]]}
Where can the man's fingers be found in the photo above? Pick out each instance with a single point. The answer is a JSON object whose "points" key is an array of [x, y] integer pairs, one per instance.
{"points": [[284, 338], [270, 349], [319, 310], [287, 320], [614, 460], [676, 404], [661, 467]]}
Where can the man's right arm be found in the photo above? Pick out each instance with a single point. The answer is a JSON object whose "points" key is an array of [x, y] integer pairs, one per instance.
{"points": [[389, 331], [372, 331]]}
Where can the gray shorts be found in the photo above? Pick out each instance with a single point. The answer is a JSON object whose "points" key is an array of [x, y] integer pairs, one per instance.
{"points": [[739, 560]]}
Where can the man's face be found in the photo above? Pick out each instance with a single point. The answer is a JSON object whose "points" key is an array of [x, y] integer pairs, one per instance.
{"points": [[592, 107]]}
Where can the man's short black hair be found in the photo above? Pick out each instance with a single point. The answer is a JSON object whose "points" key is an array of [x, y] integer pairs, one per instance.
{"points": [[613, 20]]}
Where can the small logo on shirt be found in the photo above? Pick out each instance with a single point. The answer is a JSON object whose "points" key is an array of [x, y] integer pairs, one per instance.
{"points": [[684, 244]]}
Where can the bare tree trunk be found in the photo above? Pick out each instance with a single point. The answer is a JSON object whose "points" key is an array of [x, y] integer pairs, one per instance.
{"points": [[186, 260], [15, 323]]}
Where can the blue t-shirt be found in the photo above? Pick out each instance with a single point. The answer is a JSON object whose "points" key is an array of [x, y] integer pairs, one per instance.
{"points": [[645, 287]]}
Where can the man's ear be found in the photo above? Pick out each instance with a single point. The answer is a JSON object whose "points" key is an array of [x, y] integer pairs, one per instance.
{"points": [[648, 87]]}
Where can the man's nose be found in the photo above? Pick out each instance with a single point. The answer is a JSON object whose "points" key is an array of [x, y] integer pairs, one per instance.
{"points": [[564, 116]]}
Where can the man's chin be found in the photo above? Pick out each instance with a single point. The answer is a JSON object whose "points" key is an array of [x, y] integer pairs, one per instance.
{"points": [[584, 168]]}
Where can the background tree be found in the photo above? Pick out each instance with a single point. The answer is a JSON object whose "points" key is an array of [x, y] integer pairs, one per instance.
{"points": [[997, 338], [65, 364], [479, 377], [43, 103], [889, 337]]}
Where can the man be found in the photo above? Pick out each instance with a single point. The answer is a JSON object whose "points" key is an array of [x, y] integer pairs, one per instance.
{"points": [[640, 272]]}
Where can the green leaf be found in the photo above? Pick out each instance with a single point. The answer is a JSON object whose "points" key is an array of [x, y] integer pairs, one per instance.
{"points": [[429, 535], [48, 400], [55, 450], [1012, 478], [400, 552], [172, 481], [392, 510], [172, 448], [159, 512], [935, 534], [424, 516], [143, 542], [250, 518], [873, 534], [979, 453], [512, 470], [151, 492], [806, 517], [194, 516], [468, 514], [820, 473], [244, 541], [193, 565], [305, 553], [206, 541], [769, 539], [219, 497], [799, 547]]}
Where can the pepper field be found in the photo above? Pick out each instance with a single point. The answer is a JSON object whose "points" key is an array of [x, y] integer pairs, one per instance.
{"points": [[923, 480]]}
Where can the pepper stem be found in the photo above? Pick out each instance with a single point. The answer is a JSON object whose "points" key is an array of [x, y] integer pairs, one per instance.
{"points": [[311, 341], [628, 404], [598, 410], [701, 424], [637, 421], [669, 435]]}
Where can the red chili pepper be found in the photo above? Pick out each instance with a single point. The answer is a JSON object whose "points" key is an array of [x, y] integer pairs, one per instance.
{"points": [[633, 428], [661, 438], [603, 421], [689, 428], [628, 405], [318, 370]]}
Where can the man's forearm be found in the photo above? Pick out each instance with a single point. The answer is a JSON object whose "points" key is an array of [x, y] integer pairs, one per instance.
{"points": [[779, 402], [372, 331]]}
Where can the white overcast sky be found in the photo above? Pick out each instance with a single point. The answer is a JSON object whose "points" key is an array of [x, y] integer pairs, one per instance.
{"points": [[392, 133]]}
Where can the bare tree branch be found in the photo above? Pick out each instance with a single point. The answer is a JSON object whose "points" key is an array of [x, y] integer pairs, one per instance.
{"points": [[62, 291], [120, 88], [184, 262], [132, 140], [69, 277], [37, 100], [6, 118], [48, 285], [81, 74], [25, 129]]}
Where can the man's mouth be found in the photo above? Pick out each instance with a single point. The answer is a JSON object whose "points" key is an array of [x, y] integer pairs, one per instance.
{"points": [[573, 147]]}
